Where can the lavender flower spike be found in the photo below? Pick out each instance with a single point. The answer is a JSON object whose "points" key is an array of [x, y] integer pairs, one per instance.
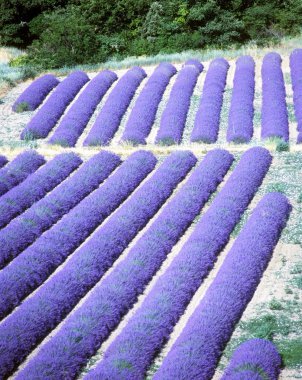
{"points": [[206, 125], [35, 93], [19, 169], [196, 352], [51, 111], [240, 125], [143, 113], [111, 114], [174, 117], [274, 118], [257, 356], [77, 117]]}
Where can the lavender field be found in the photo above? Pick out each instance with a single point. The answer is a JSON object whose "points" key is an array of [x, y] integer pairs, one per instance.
{"points": [[150, 223]]}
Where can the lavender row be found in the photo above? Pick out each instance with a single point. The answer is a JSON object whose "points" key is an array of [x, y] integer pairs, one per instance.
{"points": [[19, 169], [3, 161], [36, 186], [38, 261], [196, 352], [174, 117], [206, 125], [240, 122], [274, 118], [254, 359], [295, 64], [144, 111], [110, 116], [87, 265], [51, 111], [25, 229], [132, 352], [78, 116], [35, 93], [196, 63], [76, 341]]}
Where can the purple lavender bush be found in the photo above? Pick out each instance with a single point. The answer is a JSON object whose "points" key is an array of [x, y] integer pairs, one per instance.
{"points": [[274, 118], [258, 356], [72, 346], [3, 161], [206, 125], [196, 63], [197, 350], [35, 93], [36, 186], [144, 111], [25, 229], [87, 265], [78, 116], [173, 119], [51, 111], [110, 116], [295, 63], [240, 123], [132, 352], [19, 169], [53, 247]]}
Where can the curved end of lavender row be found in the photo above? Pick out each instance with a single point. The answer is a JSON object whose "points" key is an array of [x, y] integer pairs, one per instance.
{"points": [[168, 67], [3, 161], [272, 57], [138, 71], [35, 93], [194, 62], [220, 61], [245, 60], [255, 356]]}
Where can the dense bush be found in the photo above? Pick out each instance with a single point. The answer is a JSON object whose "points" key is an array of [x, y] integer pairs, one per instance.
{"points": [[76, 31]]}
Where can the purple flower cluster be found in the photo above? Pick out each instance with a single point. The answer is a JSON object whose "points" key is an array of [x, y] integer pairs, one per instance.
{"points": [[19, 169], [70, 348], [132, 351], [274, 118], [143, 113], [35, 93], [25, 229], [110, 116], [36, 186], [3, 161], [197, 350], [39, 260], [255, 357], [295, 63], [174, 117], [206, 125], [51, 111], [78, 116], [240, 125], [196, 63], [21, 331]]}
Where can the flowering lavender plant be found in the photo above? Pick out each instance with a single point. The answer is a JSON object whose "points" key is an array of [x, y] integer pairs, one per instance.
{"points": [[19, 169], [36, 186], [174, 117], [143, 113], [109, 301], [51, 111], [52, 248], [35, 93], [197, 350], [206, 125], [77, 117], [240, 125], [274, 118], [110, 116], [295, 63], [150, 326], [257, 356], [196, 63], [86, 266], [25, 229]]}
